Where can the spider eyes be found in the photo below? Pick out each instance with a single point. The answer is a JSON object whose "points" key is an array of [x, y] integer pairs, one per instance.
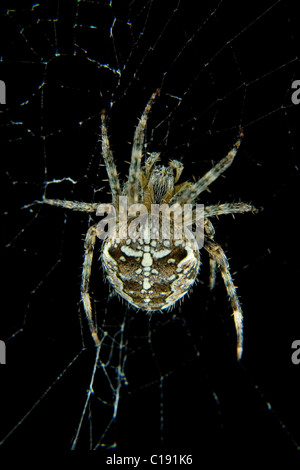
{"points": [[163, 171]]}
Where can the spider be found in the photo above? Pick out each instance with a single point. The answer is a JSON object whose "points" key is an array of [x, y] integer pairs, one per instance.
{"points": [[153, 273]]}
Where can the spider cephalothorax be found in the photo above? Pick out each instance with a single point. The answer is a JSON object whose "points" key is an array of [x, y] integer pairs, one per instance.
{"points": [[154, 264]]}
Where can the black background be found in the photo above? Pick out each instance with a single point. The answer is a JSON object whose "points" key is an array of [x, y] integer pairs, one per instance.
{"points": [[186, 393]]}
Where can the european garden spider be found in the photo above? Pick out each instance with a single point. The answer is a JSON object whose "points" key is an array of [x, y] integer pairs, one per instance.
{"points": [[154, 273]]}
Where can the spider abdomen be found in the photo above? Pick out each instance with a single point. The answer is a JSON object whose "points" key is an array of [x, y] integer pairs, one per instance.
{"points": [[150, 274]]}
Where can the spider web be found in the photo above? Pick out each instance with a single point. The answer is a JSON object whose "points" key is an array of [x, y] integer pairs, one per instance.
{"points": [[168, 383]]}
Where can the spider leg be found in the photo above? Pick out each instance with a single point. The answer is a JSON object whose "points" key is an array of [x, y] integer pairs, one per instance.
{"points": [[210, 232], [216, 252], [216, 210], [204, 228], [134, 189], [89, 245], [150, 162], [178, 167], [74, 205], [228, 208], [110, 165], [190, 193], [212, 272]]}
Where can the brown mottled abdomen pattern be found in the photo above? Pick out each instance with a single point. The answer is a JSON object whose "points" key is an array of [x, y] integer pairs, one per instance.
{"points": [[151, 274]]}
